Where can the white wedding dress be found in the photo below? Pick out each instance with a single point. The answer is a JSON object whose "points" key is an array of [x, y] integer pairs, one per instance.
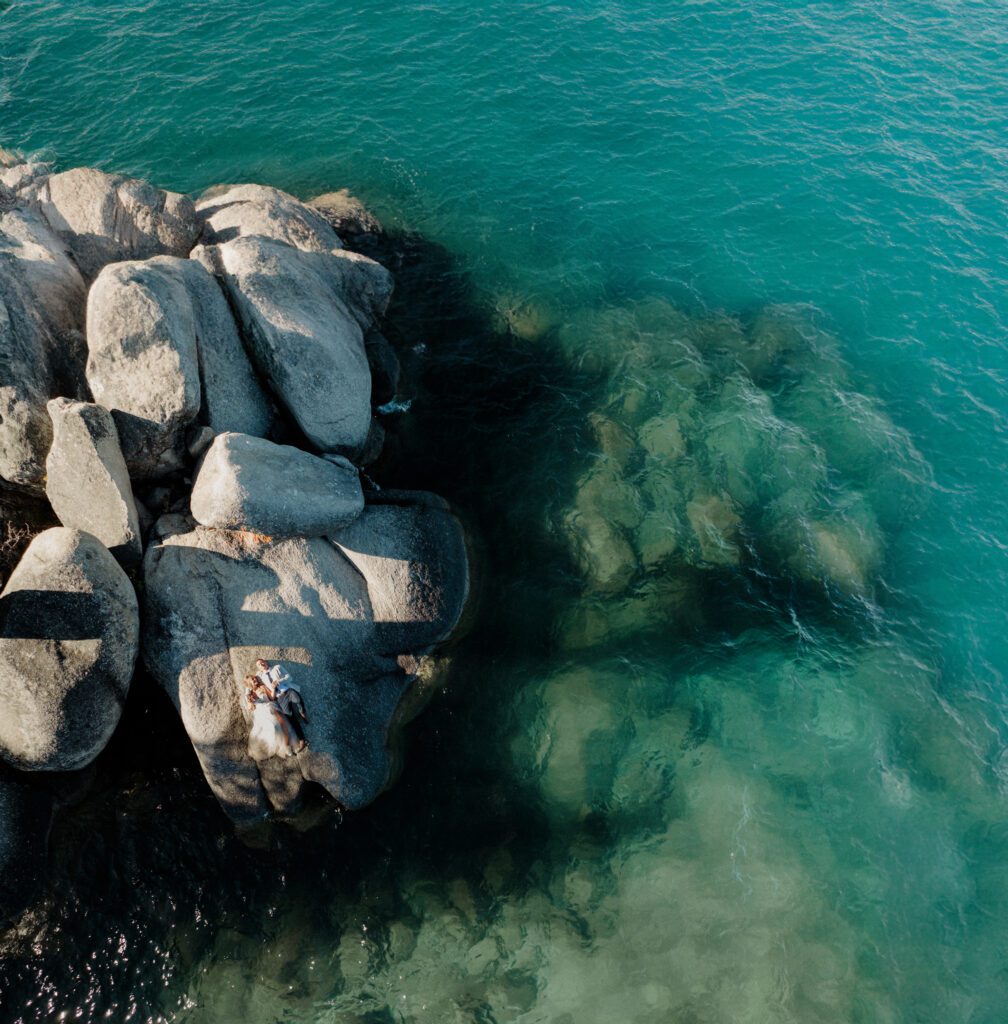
{"points": [[268, 737]]}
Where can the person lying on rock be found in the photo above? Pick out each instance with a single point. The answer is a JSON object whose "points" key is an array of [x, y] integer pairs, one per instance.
{"points": [[271, 735], [287, 697]]}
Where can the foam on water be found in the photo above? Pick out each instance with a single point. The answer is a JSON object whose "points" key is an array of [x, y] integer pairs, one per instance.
{"points": [[703, 332]]}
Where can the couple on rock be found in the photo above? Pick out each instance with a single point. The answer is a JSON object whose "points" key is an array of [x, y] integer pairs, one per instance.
{"points": [[278, 713]]}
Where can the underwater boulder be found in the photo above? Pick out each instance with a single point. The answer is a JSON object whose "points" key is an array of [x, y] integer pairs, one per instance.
{"points": [[69, 633], [715, 524]]}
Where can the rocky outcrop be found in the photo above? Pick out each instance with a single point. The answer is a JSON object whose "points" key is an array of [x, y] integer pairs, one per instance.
{"points": [[163, 350], [87, 482], [182, 360], [303, 315], [105, 218], [247, 483], [227, 212], [350, 617], [69, 632]]}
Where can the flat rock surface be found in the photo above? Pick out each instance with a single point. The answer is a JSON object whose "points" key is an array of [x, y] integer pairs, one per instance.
{"points": [[87, 482], [248, 483], [303, 315], [105, 218], [69, 635], [226, 212], [348, 619]]}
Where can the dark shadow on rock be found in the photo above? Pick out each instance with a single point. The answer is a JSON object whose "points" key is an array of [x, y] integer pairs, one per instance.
{"points": [[49, 615]]}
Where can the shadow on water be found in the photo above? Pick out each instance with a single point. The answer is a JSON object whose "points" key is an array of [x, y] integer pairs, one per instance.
{"points": [[146, 872]]}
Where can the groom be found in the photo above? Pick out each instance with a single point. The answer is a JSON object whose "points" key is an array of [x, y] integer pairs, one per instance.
{"points": [[286, 695]]}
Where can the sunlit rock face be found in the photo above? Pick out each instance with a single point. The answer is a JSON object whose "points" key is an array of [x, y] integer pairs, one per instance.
{"points": [[69, 631], [351, 616]]}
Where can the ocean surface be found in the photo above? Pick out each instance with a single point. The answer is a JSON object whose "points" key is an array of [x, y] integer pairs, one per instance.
{"points": [[702, 310]]}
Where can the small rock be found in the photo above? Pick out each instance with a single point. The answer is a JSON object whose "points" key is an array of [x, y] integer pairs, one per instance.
{"points": [[346, 214], [198, 439], [248, 483], [87, 482], [105, 218], [69, 633], [226, 212]]}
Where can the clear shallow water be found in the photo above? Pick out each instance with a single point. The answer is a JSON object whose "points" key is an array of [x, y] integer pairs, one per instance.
{"points": [[700, 770]]}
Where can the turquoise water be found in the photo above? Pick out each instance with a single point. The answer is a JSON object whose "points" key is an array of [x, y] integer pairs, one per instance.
{"points": [[727, 279]]}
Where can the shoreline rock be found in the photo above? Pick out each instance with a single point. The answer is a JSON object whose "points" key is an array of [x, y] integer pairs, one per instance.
{"points": [[69, 634], [182, 349]]}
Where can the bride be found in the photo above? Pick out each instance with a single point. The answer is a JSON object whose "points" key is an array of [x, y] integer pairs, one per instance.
{"points": [[271, 735]]}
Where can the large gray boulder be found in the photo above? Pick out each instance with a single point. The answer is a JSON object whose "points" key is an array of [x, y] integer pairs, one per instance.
{"points": [[105, 218], [41, 343], [142, 362], [248, 483], [69, 633], [87, 482], [49, 273], [226, 212], [163, 351], [349, 619], [303, 315]]}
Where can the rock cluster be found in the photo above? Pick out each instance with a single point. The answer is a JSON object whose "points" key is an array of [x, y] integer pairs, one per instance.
{"points": [[724, 444], [189, 385]]}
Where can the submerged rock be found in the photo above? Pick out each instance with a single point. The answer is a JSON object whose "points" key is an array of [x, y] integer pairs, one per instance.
{"points": [[226, 212], [350, 618], [87, 482], [303, 315], [247, 483], [105, 218], [69, 632], [346, 213]]}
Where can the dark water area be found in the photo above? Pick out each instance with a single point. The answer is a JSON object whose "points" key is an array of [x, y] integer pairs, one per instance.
{"points": [[554, 759]]}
